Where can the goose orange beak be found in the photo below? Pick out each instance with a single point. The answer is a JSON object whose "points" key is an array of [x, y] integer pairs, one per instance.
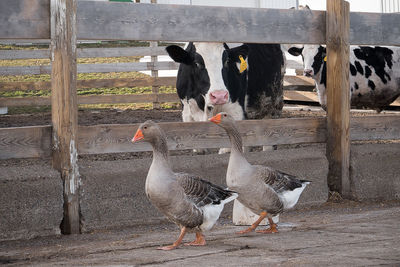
{"points": [[138, 136], [216, 119]]}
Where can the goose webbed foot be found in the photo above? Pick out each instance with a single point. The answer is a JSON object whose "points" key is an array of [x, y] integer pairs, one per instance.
{"points": [[255, 224], [200, 240], [177, 242], [271, 230]]}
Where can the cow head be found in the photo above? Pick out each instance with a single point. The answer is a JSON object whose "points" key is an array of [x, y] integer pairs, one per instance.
{"points": [[193, 81], [211, 73], [314, 58]]}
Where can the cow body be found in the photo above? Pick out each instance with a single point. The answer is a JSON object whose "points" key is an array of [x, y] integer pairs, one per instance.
{"points": [[244, 81], [374, 74]]}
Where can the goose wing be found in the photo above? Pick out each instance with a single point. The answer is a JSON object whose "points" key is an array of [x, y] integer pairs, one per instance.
{"points": [[202, 192], [280, 181]]}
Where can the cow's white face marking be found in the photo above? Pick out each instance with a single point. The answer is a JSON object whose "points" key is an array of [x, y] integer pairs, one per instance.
{"points": [[309, 52], [212, 56]]}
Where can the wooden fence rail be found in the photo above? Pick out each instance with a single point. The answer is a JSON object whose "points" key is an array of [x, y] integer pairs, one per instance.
{"points": [[126, 21], [26, 142], [139, 98]]}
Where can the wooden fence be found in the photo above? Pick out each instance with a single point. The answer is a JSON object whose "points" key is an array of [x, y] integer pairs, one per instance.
{"points": [[70, 21], [292, 83]]}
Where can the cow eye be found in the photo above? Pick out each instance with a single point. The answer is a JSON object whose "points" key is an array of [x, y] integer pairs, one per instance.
{"points": [[198, 65], [209, 108]]}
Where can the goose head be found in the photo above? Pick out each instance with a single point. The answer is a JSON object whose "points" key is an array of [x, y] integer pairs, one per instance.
{"points": [[223, 119], [148, 131]]}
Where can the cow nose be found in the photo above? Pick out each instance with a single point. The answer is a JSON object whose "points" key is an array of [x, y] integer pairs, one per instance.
{"points": [[219, 97], [307, 72]]}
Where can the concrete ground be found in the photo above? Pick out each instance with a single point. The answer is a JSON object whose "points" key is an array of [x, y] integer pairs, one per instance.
{"points": [[332, 234]]}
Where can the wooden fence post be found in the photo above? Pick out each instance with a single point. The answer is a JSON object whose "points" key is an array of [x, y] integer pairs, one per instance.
{"points": [[64, 108], [338, 95]]}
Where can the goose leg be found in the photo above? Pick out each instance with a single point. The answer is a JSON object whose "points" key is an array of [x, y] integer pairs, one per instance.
{"points": [[255, 224], [200, 240], [272, 228], [177, 242]]}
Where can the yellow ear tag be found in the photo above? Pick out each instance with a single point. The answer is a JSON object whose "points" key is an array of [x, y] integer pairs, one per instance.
{"points": [[325, 58], [243, 64]]}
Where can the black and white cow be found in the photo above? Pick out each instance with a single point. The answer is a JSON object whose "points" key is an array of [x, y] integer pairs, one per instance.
{"points": [[244, 81], [374, 73]]}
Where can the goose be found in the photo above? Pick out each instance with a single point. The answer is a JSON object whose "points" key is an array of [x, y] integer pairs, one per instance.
{"points": [[190, 202], [262, 189]]}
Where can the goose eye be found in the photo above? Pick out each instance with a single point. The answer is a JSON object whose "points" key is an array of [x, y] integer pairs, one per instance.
{"points": [[145, 127], [224, 115]]}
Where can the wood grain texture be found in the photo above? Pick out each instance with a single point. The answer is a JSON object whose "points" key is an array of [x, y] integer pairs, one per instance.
{"points": [[338, 96], [124, 21], [94, 83], [116, 138], [87, 52], [29, 19], [91, 68], [64, 108], [25, 19], [291, 95], [25, 142], [374, 28], [289, 83]]}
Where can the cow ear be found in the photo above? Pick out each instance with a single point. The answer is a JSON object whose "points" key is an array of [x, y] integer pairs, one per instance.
{"points": [[243, 50], [295, 51], [178, 54], [235, 52]]}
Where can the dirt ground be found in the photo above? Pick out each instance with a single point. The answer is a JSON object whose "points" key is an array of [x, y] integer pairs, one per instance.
{"points": [[333, 234]]}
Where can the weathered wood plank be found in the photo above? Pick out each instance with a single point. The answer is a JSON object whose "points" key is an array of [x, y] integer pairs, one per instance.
{"points": [[64, 108], [113, 138], [121, 52], [300, 96], [374, 28], [375, 128], [91, 68], [87, 52], [143, 98], [124, 21], [25, 142], [25, 70], [24, 54], [126, 67], [338, 96], [91, 99], [298, 83], [24, 101], [25, 19], [289, 83], [95, 83]]}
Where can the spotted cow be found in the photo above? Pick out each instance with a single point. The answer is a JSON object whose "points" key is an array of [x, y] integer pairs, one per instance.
{"points": [[374, 73], [245, 81]]}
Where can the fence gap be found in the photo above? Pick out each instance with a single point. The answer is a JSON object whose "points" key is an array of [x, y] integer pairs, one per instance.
{"points": [[338, 95], [64, 108]]}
